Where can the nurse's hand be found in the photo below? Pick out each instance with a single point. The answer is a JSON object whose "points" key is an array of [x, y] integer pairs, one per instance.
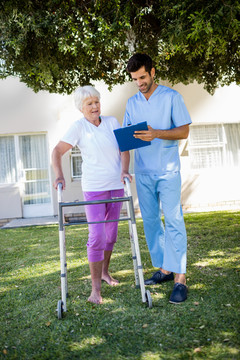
{"points": [[146, 135]]}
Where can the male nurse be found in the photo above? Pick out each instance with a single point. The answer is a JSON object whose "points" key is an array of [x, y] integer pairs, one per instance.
{"points": [[157, 171]]}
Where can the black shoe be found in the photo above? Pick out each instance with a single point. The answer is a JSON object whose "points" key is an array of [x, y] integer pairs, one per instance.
{"points": [[179, 293], [158, 277]]}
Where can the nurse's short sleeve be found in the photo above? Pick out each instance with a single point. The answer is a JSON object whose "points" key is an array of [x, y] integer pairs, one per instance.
{"points": [[72, 135], [180, 114]]}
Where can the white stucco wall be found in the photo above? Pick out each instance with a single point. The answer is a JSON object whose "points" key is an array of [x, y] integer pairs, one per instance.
{"points": [[23, 111], [11, 205], [221, 107]]}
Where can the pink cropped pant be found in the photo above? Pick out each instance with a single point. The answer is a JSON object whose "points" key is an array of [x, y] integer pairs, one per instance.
{"points": [[103, 236]]}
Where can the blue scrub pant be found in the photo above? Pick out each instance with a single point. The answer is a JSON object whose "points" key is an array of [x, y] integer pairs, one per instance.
{"points": [[167, 246]]}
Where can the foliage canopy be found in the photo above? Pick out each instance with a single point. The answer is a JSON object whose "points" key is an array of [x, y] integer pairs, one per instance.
{"points": [[57, 45]]}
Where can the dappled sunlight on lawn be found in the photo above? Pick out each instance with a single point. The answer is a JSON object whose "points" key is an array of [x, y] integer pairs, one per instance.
{"points": [[218, 348], [218, 262], [120, 309], [123, 273], [31, 271], [50, 266], [107, 301], [216, 253], [198, 286], [76, 226], [148, 355], [87, 343], [156, 296], [120, 254], [220, 258]]}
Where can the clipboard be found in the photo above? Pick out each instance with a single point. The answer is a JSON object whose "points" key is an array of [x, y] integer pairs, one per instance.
{"points": [[126, 140]]}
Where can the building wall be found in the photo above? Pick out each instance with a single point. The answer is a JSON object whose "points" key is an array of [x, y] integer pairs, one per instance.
{"points": [[221, 107], [11, 206], [210, 189], [23, 111]]}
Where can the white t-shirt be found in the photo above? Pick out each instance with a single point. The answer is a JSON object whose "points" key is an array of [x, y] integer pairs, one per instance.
{"points": [[101, 167]]}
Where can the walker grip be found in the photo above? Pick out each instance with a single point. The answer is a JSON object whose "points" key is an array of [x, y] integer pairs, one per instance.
{"points": [[127, 186], [59, 190]]}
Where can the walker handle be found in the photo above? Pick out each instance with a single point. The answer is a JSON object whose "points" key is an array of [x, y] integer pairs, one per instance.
{"points": [[127, 184], [59, 189]]}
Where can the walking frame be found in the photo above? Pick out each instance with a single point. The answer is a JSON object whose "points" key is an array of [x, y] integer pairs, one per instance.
{"points": [[138, 270]]}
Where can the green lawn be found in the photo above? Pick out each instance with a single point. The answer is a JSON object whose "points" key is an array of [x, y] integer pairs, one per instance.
{"points": [[206, 326]]}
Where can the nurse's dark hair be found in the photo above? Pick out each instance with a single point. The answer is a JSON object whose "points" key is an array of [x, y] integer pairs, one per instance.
{"points": [[139, 60]]}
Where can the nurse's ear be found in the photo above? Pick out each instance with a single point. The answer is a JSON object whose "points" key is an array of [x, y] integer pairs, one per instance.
{"points": [[152, 72]]}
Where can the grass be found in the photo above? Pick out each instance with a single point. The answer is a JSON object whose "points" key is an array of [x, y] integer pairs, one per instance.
{"points": [[206, 326]]}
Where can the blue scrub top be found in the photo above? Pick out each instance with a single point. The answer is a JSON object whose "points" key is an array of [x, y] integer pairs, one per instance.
{"points": [[164, 110]]}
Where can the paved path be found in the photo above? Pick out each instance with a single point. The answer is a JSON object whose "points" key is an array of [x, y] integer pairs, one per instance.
{"points": [[46, 220]]}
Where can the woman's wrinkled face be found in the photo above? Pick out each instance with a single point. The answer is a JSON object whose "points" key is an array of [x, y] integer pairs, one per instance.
{"points": [[91, 108]]}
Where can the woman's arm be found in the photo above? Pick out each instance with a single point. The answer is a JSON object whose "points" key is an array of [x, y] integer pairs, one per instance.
{"points": [[125, 159], [60, 149]]}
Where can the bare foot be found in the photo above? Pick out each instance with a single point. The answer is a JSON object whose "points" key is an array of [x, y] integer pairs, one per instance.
{"points": [[110, 280], [95, 298]]}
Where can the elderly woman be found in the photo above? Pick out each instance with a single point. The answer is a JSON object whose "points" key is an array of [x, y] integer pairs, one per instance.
{"points": [[103, 170]]}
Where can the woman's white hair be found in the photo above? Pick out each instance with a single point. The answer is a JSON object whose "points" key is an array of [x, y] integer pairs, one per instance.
{"points": [[84, 92]]}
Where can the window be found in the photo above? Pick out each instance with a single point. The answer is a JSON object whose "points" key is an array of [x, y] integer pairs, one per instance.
{"points": [[212, 146], [76, 163], [34, 168], [8, 168], [23, 158]]}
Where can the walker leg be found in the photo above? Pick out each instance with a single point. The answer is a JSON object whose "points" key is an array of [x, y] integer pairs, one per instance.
{"points": [[63, 268], [63, 264], [134, 258], [59, 309], [139, 264], [146, 296], [61, 305]]}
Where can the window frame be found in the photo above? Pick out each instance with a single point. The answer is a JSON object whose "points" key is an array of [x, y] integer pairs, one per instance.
{"points": [[221, 142], [75, 153]]}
